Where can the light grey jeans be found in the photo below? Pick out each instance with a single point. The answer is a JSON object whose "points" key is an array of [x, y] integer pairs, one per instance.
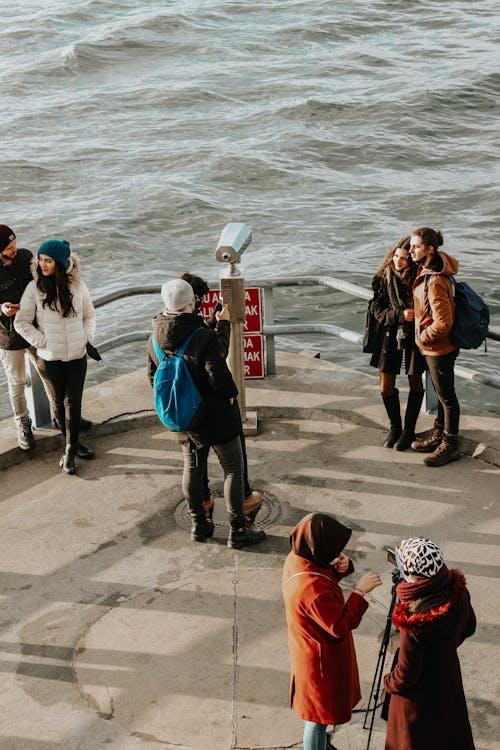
{"points": [[15, 369]]}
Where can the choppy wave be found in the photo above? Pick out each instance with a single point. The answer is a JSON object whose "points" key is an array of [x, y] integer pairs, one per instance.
{"points": [[138, 131]]}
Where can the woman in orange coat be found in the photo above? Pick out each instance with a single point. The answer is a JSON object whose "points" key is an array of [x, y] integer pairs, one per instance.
{"points": [[324, 684]]}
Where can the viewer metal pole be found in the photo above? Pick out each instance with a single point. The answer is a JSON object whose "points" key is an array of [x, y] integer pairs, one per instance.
{"points": [[234, 239]]}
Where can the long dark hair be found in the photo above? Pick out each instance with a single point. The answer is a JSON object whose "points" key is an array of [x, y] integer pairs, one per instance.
{"points": [[55, 289], [408, 274]]}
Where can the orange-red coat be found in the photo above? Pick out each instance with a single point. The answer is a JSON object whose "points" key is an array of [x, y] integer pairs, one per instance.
{"points": [[324, 681]]}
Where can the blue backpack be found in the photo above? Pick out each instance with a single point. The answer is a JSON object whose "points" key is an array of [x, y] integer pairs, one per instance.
{"points": [[177, 400], [472, 317]]}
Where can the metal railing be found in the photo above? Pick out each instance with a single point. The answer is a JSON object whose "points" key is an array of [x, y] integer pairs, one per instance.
{"points": [[270, 329]]}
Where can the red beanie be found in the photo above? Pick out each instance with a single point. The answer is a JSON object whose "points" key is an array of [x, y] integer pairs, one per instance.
{"points": [[6, 236]]}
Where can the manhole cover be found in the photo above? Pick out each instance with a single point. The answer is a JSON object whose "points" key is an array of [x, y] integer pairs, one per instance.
{"points": [[270, 513]]}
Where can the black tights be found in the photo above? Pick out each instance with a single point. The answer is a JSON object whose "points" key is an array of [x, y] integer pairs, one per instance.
{"points": [[64, 383], [388, 383]]}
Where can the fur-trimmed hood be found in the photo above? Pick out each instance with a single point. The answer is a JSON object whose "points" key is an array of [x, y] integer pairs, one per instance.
{"points": [[73, 270], [435, 622]]}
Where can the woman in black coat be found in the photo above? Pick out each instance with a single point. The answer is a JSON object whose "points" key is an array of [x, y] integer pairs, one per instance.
{"points": [[391, 307], [427, 707], [220, 424]]}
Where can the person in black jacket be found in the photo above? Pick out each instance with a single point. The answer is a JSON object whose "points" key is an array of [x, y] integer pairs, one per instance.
{"points": [[391, 307], [253, 499], [15, 275], [221, 424]]}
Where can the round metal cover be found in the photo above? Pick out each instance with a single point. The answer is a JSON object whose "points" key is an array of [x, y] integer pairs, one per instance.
{"points": [[270, 513]]}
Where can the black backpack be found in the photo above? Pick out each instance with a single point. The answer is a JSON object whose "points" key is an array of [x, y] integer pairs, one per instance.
{"points": [[472, 316]]}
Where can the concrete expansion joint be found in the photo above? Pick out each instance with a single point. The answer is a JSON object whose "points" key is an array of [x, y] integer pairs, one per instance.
{"points": [[234, 696]]}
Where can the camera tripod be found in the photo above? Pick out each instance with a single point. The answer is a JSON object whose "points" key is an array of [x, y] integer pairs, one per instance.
{"points": [[379, 669]]}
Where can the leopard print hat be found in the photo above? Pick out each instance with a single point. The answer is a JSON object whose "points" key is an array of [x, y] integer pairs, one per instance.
{"points": [[420, 557]]}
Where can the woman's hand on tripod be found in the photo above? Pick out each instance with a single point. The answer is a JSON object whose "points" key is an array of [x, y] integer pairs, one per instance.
{"points": [[368, 582]]}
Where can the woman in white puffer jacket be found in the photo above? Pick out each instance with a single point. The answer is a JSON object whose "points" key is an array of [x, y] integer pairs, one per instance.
{"points": [[57, 317]]}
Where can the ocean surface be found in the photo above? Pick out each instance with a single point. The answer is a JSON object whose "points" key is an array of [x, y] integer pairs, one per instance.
{"points": [[138, 130]]}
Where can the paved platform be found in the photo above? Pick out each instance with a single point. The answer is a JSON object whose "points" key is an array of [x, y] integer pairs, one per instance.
{"points": [[117, 632]]}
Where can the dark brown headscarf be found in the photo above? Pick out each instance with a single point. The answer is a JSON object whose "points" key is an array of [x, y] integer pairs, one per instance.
{"points": [[319, 538]]}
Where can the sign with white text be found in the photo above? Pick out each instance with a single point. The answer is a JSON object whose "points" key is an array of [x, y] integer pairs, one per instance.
{"points": [[253, 351], [253, 340]]}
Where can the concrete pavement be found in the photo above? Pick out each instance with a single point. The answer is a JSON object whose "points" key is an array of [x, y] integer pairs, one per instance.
{"points": [[117, 632]]}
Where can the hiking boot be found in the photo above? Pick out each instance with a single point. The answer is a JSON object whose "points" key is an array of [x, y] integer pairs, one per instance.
{"points": [[25, 439], [67, 460], [83, 451], [252, 504], [393, 410], [429, 443], [245, 536], [208, 508], [445, 453]]}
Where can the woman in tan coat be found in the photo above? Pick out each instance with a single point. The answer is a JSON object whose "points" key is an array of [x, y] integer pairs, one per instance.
{"points": [[434, 317], [324, 682]]}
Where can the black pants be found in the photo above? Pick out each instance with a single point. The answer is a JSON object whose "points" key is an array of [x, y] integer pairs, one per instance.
{"points": [[195, 468], [64, 383], [442, 372]]}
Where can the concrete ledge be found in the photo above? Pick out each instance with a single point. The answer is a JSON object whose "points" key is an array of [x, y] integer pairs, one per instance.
{"points": [[305, 388]]}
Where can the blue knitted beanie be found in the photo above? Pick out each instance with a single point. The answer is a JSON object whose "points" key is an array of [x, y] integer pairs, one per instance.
{"points": [[57, 249]]}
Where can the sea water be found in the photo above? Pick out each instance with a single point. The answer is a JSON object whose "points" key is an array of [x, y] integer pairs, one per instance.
{"points": [[138, 130]]}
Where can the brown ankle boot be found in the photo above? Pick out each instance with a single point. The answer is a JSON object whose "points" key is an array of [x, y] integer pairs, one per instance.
{"points": [[429, 443], [445, 453], [208, 507]]}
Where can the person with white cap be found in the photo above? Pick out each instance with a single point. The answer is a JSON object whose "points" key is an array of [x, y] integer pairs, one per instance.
{"points": [[253, 498], [427, 707], [220, 425]]}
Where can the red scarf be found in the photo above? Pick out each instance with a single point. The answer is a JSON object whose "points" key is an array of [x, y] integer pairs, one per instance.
{"points": [[426, 593]]}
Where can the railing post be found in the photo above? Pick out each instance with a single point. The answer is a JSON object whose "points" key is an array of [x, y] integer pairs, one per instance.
{"points": [[36, 397], [430, 404], [268, 321]]}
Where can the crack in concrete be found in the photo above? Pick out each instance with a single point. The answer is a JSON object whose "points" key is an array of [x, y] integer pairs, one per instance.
{"points": [[234, 696]]}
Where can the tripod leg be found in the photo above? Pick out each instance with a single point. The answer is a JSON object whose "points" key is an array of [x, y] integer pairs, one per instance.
{"points": [[379, 670]]}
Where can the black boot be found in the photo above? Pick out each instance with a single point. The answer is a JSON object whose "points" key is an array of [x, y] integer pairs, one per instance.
{"points": [[393, 410], [245, 535], [67, 460], [407, 437], [208, 507], [201, 530], [83, 451]]}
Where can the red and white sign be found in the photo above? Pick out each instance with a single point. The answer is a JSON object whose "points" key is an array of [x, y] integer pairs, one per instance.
{"points": [[253, 350], [253, 310], [253, 340], [209, 302]]}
